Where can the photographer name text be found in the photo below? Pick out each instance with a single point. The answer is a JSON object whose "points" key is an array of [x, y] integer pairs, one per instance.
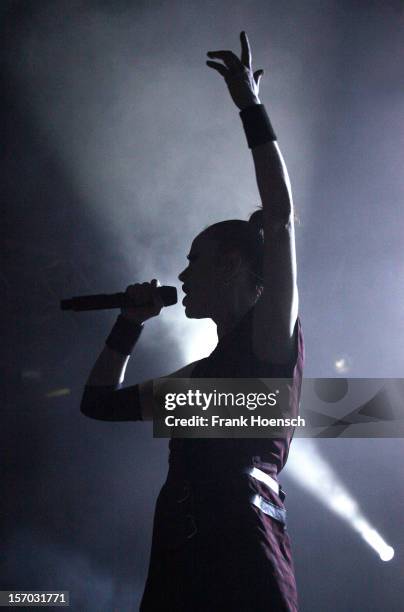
{"points": [[240, 421]]}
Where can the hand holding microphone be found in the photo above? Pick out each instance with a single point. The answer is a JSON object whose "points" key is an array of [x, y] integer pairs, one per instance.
{"points": [[149, 300], [138, 303]]}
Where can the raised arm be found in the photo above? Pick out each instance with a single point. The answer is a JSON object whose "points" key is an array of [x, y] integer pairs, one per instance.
{"points": [[276, 311]]}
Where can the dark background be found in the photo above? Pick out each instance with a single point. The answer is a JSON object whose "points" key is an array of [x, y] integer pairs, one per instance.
{"points": [[119, 145]]}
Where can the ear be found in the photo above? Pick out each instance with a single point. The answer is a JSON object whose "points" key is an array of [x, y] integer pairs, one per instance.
{"points": [[229, 265]]}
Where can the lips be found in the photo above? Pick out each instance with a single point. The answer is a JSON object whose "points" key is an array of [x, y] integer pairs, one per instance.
{"points": [[185, 290]]}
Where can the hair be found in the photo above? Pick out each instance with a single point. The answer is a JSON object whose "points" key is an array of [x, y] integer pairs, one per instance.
{"points": [[246, 237]]}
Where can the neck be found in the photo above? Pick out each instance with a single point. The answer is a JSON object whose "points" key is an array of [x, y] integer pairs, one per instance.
{"points": [[227, 317]]}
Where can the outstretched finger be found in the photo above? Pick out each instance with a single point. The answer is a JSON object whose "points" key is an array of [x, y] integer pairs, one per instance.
{"points": [[229, 58], [245, 50], [219, 67], [257, 76]]}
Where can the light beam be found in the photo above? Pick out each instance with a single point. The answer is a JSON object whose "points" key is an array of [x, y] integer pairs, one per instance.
{"points": [[309, 469]]}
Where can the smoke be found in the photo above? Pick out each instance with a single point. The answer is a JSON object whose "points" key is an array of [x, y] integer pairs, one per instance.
{"points": [[121, 147], [55, 567], [145, 132]]}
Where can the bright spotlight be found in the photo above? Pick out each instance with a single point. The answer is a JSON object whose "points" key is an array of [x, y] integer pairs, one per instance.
{"points": [[373, 538], [309, 469], [387, 554]]}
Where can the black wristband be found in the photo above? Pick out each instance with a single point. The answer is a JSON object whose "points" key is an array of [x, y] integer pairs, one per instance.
{"points": [[257, 126], [124, 335]]}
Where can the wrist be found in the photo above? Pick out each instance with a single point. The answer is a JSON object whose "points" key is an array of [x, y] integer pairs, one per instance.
{"points": [[132, 319], [254, 102], [257, 126]]}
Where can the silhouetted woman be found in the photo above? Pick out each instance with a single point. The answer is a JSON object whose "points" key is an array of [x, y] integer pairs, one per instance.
{"points": [[219, 538]]}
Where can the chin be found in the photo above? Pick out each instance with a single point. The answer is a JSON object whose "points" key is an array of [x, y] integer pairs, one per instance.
{"points": [[191, 313]]}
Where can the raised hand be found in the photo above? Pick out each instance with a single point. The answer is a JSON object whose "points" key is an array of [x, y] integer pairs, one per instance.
{"points": [[242, 82]]}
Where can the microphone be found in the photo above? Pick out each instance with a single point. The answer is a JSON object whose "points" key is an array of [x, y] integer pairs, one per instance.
{"points": [[104, 301]]}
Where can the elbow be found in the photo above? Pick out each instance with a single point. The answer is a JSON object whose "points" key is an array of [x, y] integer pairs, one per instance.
{"points": [[92, 405], [279, 225], [278, 209]]}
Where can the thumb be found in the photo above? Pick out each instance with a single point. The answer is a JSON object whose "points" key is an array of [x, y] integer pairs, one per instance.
{"points": [[257, 76]]}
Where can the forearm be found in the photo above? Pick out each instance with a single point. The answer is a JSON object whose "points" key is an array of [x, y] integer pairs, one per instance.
{"points": [[101, 397], [270, 168], [109, 369]]}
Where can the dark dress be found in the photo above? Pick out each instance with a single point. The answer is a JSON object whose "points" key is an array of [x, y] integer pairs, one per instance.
{"points": [[213, 549]]}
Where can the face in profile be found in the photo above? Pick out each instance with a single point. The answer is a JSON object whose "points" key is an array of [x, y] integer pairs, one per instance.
{"points": [[200, 279]]}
